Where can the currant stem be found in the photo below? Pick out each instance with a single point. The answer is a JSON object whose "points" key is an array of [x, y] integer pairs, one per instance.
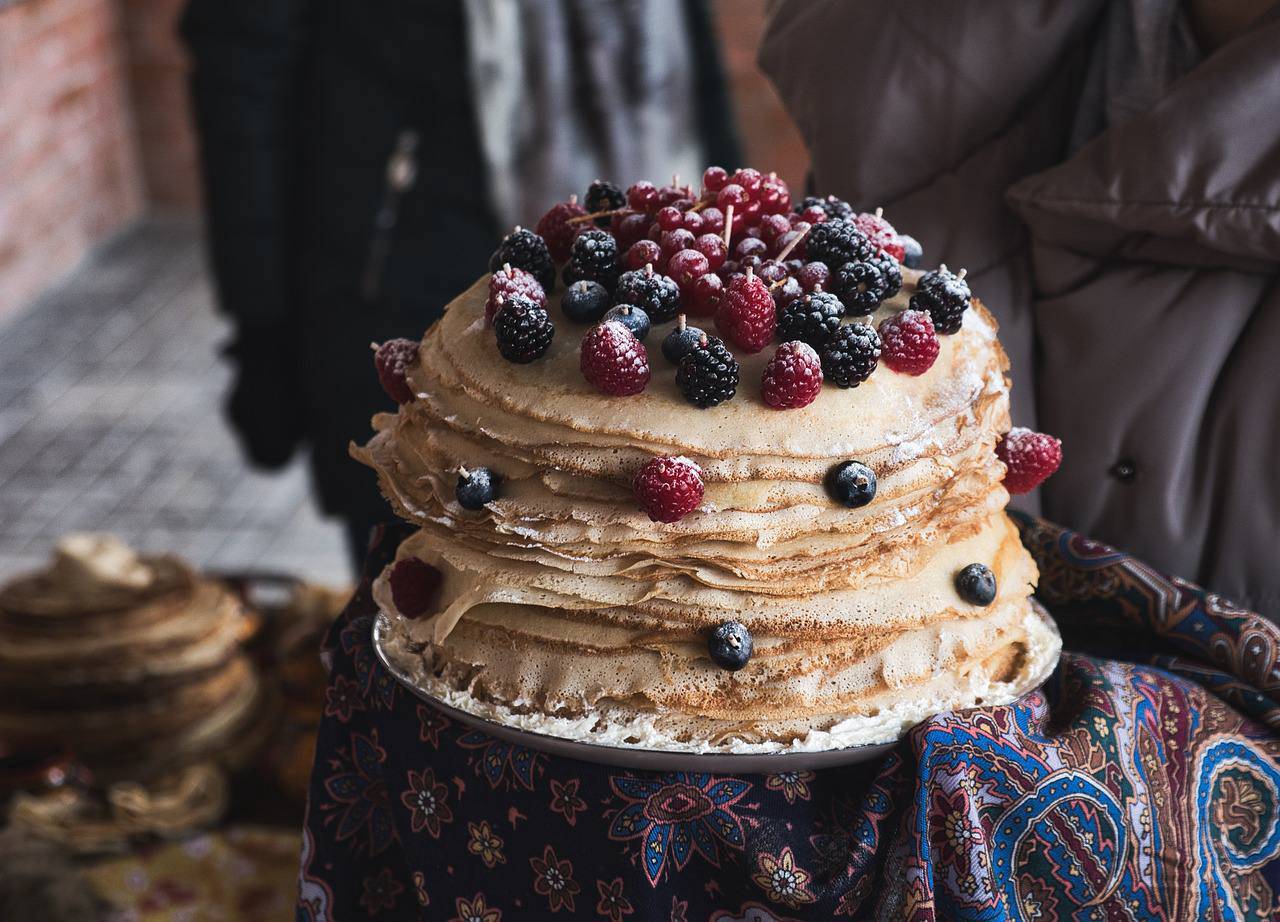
{"points": [[728, 226]]}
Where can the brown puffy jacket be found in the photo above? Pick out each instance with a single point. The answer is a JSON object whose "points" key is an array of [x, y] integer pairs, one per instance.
{"points": [[1115, 196]]}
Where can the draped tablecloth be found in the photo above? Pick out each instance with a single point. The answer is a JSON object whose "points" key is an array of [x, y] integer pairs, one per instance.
{"points": [[1141, 783]]}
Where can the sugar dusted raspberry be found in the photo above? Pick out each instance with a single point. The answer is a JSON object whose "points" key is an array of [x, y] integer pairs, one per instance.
{"points": [[668, 489], [509, 281], [415, 585], [614, 361], [1030, 457], [793, 377], [554, 227], [747, 315], [909, 343], [392, 360], [881, 233]]}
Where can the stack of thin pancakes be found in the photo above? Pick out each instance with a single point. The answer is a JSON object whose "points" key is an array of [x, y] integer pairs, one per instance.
{"points": [[134, 663], [564, 609]]}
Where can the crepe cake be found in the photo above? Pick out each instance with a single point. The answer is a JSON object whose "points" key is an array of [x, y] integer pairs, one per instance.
{"points": [[563, 608], [134, 662]]}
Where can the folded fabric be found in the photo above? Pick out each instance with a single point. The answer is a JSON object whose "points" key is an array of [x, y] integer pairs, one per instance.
{"points": [[1141, 782]]}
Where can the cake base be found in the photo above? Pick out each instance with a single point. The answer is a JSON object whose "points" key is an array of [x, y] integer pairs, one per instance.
{"points": [[632, 740]]}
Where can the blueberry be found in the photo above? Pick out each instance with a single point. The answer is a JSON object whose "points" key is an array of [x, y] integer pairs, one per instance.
{"points": [[914, 252], [679, 341], [851, 483], [633, 318], [730, 645], [476, 487], [976, 584], [585, 302]]}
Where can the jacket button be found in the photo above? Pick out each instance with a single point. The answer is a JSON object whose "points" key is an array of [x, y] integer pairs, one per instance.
{"points": [[1124, 470]]}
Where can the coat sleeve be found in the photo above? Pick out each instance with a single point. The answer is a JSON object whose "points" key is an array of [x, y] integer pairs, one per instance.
{"points": [[247, 58]]}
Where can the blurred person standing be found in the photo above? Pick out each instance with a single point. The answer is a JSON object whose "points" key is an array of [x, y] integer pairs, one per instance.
{"points": [[1108, 171], [361, 163]]}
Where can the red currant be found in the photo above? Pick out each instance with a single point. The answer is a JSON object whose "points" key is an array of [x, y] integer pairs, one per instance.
{"points": [[629, 228], [705, 296], [773, 226], [643, 252], [712, 221], [748, 179], [642, 196], [750, 246], [674, 241], [734, 195], [813, 275], [686, 267], [813, 214], [714, 178], [712, 246], [669, 218], [692, 222], [772, 271]]}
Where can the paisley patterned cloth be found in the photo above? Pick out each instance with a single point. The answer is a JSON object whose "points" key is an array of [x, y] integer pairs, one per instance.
{"points": [[1140, 783]]}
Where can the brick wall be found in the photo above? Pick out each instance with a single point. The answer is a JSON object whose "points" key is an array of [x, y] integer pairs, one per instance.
{"points": [[69, 169]]}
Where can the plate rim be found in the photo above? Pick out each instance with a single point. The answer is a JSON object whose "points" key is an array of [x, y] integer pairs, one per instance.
{"points": [[657, 759]]}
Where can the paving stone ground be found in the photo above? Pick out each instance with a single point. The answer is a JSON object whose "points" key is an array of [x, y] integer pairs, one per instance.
{"points": [[111, 387]]}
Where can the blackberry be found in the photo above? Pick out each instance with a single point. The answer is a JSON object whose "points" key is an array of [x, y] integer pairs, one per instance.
{"points": [[658, 295], [525, 250], [837, 242], [850, 354], [810, 318], [861, 286], [523, 329], [604, 196], [831, 206], [892, 271], [708, 374], [594, 258], [945, 296]]}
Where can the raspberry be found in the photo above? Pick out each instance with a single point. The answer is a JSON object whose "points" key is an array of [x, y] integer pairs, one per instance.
{"points": [[392, 360], [811, 318], [523, 249], [594, 257], [881, 233], [836, 242], [747, 315], [850, 354], [861, 285], [1029, 458], [604, 196], [509, 281], [414, 586], [909, 344], [945, 296], [831, 207], [523, 329], [793, 377], [708, 374], [668, 489], [658, 295], [554, 227], [614, 361]]}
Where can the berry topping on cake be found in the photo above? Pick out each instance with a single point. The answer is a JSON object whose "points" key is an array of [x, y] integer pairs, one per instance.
{"points": [[523, 329], [604, 196], [585, 302], [908, 343], [861, 285], [657, 295], [633, 318], [730, 645], [850, 354], [836, 242], [851, 483], [475, 488], [613, 361], [830, 206], [793, 377], [811, 318], [881, 233], [976, 584], [415, 586], [708, 373], [668, 489], [945, 295], [523, 249], [680, 340], [509, 281], [747, 315], [913, 252], [1029, 458], [555, 228], [594, 258], [392, 360]]}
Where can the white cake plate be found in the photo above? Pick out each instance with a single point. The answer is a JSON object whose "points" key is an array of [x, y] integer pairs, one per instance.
{"points": [[652, 759]]}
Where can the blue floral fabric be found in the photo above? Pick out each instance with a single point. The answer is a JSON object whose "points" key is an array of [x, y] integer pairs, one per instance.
{"points": [[1140, 783]]}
